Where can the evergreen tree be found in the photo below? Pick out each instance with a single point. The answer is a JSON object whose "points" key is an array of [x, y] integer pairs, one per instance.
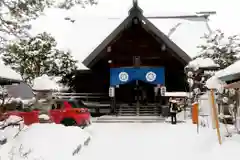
{"points": [[223, 50], [16, 14], [35, 56]]}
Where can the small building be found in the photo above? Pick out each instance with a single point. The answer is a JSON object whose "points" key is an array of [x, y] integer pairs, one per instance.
{"points": [[134, 61], [230, 94]]}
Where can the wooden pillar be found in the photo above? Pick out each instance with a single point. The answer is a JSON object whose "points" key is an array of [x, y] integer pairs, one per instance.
{"points": [[215, 113]]}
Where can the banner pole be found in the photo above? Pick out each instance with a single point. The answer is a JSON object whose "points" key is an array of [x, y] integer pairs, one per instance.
{"points": [[214, 109]]}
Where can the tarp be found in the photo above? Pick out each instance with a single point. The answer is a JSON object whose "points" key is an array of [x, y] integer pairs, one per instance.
{"points": [[153, 75]]}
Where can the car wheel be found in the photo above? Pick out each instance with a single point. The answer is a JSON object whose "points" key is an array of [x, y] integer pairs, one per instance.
{"points": [[69, 122]]}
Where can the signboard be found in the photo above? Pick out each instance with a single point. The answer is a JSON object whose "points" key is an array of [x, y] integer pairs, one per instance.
{"points": [[153, 75], [111, 91], [163, 90]]}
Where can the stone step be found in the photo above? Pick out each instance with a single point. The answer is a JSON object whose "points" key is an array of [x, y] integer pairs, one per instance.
{"points": [[125, 109], [148, 114], [148, 110], [128, 121], [127, 114]]}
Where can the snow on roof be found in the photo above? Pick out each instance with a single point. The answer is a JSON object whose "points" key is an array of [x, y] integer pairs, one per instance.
{"points": [[8, 73], [44, 83], [202, 63], [214, 83], [61, 86], [90, 29], [176, 94], [230, 70]]}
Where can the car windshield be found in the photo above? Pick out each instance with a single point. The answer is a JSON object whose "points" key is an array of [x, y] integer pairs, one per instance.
{"points": [[76, 104]]}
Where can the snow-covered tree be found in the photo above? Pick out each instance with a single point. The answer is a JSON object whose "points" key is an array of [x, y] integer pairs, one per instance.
{"points": [[223, 50], [36, 56], [16, 14]]}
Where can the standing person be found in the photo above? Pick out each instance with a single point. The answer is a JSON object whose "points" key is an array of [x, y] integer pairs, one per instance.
{"points": [[173, 111]]}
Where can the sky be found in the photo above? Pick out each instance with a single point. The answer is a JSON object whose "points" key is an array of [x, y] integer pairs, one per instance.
{"points": [[92, 25]]}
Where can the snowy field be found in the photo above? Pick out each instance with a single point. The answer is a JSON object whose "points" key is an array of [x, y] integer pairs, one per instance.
{"points": [[128, 141], [151, 141]]}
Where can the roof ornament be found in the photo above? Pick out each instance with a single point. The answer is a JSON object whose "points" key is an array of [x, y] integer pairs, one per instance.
{"points": [[135, 3]]}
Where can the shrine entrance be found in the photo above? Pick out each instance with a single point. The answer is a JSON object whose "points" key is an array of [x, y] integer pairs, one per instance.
{"points": [[137, 93], [135, 86]]}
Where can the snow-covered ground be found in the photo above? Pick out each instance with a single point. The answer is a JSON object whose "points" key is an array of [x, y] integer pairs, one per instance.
{"points": [[142, 141], [42, 142], [157, 141]]}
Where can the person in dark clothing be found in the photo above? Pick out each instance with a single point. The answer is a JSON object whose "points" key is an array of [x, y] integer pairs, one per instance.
{"points": [[173, 111]]}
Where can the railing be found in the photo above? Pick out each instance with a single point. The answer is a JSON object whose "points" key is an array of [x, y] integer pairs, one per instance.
{"points": [[85, 97]]}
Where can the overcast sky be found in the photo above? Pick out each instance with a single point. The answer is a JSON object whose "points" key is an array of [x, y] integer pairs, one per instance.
{"points": [[92, 25]]}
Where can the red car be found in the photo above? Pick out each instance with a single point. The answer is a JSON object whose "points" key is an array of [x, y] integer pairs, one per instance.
{"points": [[66, 112], [70, 113]]}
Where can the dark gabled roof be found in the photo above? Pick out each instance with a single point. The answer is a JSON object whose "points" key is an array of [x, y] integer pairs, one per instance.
{"points": [[136, 12], [6, 81]]}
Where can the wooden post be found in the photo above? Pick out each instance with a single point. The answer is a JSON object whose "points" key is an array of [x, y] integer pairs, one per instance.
{"points": [[215, 114]]}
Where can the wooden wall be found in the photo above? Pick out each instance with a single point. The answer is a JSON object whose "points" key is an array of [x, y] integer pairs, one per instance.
{"points": [[134, 41]]}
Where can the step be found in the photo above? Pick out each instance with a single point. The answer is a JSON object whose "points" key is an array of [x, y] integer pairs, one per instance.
{"points": [[127, 114], [125, 109], [128, 121], [132, 118], [149, 114], [148, 110]]}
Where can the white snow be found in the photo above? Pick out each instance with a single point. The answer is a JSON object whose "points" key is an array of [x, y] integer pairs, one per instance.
{"points": [[43, 141], [119, 141], [202, 63], [44, 117], [177, 94], [215, 83], [8, 73], [10, 132], [144, 141], [44, 83], [232, 69], [12, 119]]}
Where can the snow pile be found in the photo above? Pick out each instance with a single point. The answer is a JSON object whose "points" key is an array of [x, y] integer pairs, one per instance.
{"points": [[44, 117], [8, 73], [232, 69], [201, 63], [10, 100], [44, 83], [45, 141], [11, 120], [28, 101], [11, 131]]}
